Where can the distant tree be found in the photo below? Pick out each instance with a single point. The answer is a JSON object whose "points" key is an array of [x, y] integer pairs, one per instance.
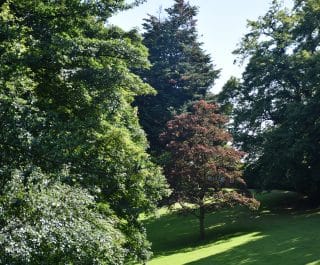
{"points": [[202, 162], [181, 71], [276, 104]]}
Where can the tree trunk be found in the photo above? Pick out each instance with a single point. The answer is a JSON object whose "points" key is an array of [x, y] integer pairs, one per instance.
{"points": [[201, 219]]}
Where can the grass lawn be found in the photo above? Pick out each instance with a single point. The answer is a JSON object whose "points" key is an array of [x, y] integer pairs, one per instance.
{"points": [[281, 232]]}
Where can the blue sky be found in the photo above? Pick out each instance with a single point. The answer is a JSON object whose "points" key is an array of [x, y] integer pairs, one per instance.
{"points": [[221, 24]]}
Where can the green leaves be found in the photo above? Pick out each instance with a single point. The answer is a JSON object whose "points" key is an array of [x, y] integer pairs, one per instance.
{"points": [[66, 89], [181, 71], [277, 98], [43, 220]]}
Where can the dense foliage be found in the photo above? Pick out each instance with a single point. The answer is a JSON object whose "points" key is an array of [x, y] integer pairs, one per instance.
{"points": [[202, 162], [181, 71], [276, 105], [65, 102], [44, 220]]}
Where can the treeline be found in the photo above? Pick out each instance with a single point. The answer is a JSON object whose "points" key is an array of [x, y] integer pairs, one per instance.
{"points": [[275, 107], [77, 169]]}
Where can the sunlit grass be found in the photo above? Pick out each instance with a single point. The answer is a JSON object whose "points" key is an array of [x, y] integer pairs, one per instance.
{"points": [[206, 251], [279, 233]]}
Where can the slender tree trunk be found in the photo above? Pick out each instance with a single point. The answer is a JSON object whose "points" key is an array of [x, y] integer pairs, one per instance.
{"points": [[201, 220]]}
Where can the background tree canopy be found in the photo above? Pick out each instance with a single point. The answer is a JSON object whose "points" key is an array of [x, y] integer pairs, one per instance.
{"points": [[181, 71], [65, 102], [276, 105]]}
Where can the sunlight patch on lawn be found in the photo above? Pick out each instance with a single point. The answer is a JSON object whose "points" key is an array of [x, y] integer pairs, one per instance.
{"points": [[215, 226], [313, 214], [209, 250], [317, 262]]}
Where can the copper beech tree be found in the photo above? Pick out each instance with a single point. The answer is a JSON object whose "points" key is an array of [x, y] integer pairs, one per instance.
{"points": [[202, 163]]}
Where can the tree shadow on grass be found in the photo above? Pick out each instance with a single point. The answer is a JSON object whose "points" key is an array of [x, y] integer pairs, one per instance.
{"points": [[296, 243], [290, 234], [176, 233]]}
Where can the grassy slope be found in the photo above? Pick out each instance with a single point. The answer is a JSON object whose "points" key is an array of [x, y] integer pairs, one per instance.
{"points": [[274, 235]]}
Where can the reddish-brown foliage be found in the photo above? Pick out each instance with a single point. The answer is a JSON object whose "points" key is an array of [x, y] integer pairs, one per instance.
{"points": [[202, 160]]}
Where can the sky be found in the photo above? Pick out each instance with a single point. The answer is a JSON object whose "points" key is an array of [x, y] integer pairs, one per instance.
{"points": [[221, 25]]}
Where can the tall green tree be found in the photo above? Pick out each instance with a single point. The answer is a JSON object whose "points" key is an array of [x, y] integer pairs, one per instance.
{"points": [[181, 71], [66, 93], [202, 163], [276, 105]]}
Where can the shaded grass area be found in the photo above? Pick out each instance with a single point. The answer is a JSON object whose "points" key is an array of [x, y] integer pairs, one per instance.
{"points": [[283, 231]]}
